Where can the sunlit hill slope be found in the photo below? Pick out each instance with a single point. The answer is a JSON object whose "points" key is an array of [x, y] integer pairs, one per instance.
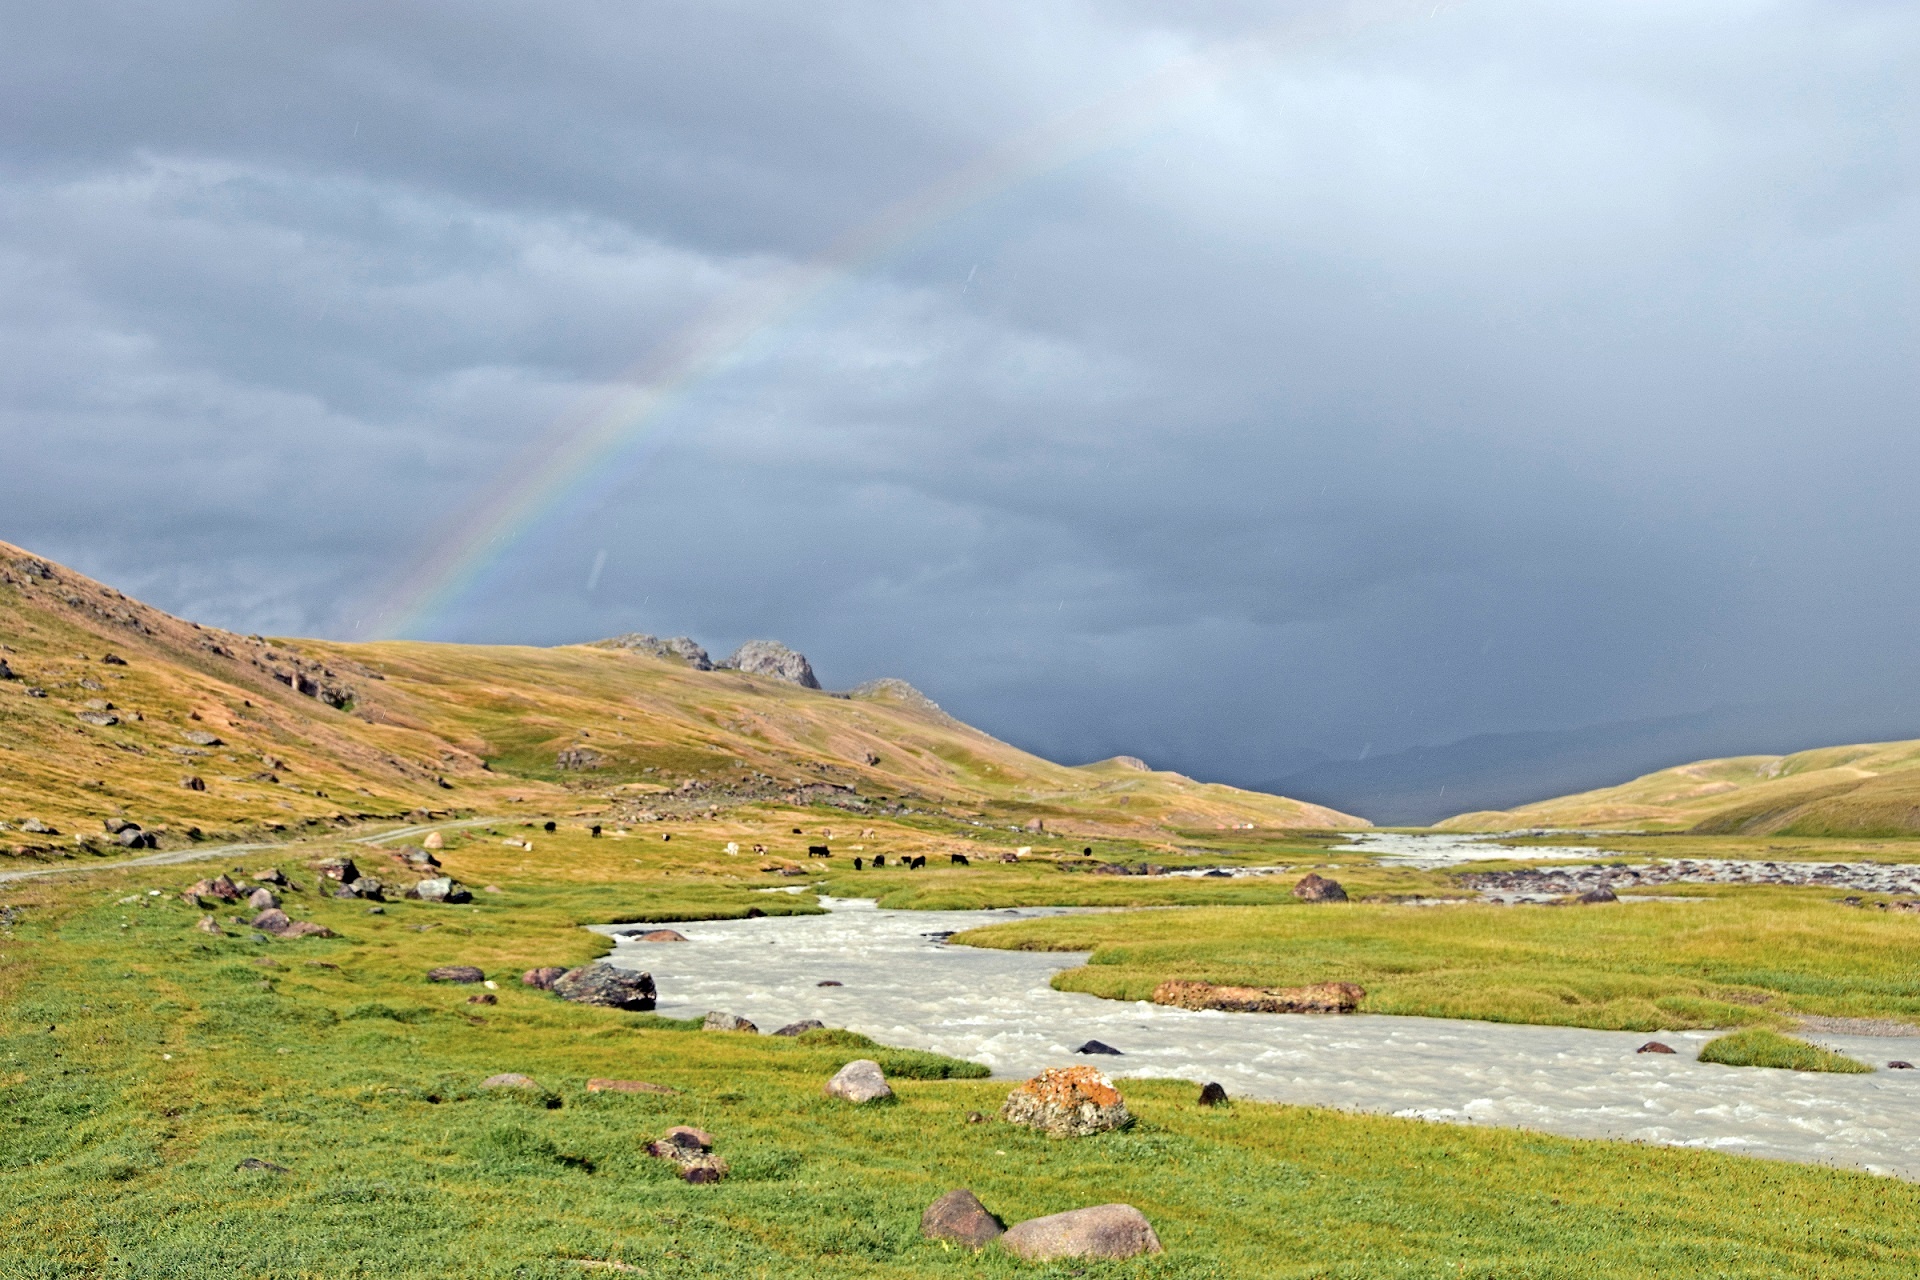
{"points": [[1867, 790], [110, 709]]}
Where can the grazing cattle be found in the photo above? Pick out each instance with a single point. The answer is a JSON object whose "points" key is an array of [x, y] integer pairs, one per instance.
{"points": [[550, 828], [919, 862], [879, 859], [856, 864], [819, 851], [594, 830], [960, 860]]}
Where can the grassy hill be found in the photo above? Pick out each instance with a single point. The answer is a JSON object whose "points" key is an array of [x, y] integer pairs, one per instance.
{"points": [[119, 711], [1871, 789]]}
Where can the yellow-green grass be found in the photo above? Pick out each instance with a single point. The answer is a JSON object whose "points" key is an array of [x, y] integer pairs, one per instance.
{"points": [[1870, 789], [140, 1062], [1735, 956], [1759, 1047]]}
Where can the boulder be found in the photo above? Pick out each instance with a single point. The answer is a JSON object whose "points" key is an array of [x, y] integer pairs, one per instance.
{"points": [[208, 924], [771, 658], [543, 977], [456, 973], [1213, 1095], [440, 889], [272, 920], [658, 935], [1601, 894], [801, 1027], [338, 870], [1321, 997], [607, 987], [510, 1080], [219, 887], [600, 1084], [305, 929], [134, 838], [1315, 888], [681, 1138], [201, 738], [6, 672], [1067, 1102], [1898, 1065], [1103, 1231], [718, 1021], [1654, 1046], [434, 840], [859, 1081], [1098, 1046], [262, 898], [960, 1217], [273, 876], [365, 887]]}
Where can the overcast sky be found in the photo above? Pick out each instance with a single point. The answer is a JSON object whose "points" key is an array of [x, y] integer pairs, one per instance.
{"points": [[1460, 368]]}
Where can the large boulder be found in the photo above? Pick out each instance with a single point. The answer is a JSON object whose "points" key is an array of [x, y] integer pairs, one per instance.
{"points": [[262, 898], [859, 1081], [716, 1020], [771, 658], [960, 1217], [1103, 1231], [1320, 997], [1317, 888], [544, 977], [610, 988], [339, 870], [440, 889], [1067, 1102]]}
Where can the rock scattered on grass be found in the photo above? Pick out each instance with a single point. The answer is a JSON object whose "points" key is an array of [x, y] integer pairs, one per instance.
{"points": [[1654, 1046], [860, 1081], [1213, 1094], [543, 977], [974, 1117], [1098, 1046], [602, 985], [485, 997], [509, 1080], [208, 924], [1103, 1231], [716, 1020], [456, 973], [692, 1150], [801, 1027], [262, 899], [960, 1217], [1601, 894], [1317, 888], [253, 1164], [440, 889], [1321, 997], [600, 1084], [1067, 1102]]}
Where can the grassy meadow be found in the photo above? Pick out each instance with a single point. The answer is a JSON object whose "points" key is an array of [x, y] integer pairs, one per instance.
{"points": [[142, 1061]]}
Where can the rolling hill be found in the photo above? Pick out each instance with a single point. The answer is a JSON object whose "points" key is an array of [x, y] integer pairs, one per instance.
{"points": [[112, 711], [1871, 789]]}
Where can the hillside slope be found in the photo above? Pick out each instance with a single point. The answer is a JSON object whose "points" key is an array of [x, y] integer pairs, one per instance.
{"points": [[1871, 789], [117, 710]]}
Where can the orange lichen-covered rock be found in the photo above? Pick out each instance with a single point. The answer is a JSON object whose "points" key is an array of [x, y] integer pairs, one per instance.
{"points": [[1067, 1102], [1321, 997]]}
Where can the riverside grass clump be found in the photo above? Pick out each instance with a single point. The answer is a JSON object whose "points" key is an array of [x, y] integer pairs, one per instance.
{"points": [[1738, 956], [143, 1063], [1759, 1047]]}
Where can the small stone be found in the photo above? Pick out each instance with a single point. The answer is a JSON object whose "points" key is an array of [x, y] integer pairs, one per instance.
{"points": [[1103, 1231], [718, 1021], [1654, 1046], [801, 1027], [959, 1216], [607, 987], [1065, 1102], [208, 924], [272, 920], [510, 1080], [201, 738], [1898, 1065], [262, 899], [485, 997], [1098, 1046], [860, 1081], [376, 911], [1213, 1095], [602, 1085], [191, 783], [974, 1117], [253, 1164], [456, 973], [339, 870], [1316, 888], [829, 983], [306, 929], [543, 978]]}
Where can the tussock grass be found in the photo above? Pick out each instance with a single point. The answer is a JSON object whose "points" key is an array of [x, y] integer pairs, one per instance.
{"points": [[1737, 957], [140, 1064], [1759, 1047]]}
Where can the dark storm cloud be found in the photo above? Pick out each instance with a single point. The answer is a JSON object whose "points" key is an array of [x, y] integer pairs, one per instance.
{"points": [[1512, 367]]}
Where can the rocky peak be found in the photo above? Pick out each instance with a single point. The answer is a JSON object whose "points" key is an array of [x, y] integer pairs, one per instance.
{"points": [[771, 658], [683, 648]]}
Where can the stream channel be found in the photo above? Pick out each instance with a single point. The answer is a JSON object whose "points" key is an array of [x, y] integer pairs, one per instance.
{"points": [[905, 985]]}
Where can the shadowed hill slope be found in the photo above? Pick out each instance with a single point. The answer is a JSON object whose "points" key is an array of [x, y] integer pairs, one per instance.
{"points": [[1867, 790], [116, 710]]}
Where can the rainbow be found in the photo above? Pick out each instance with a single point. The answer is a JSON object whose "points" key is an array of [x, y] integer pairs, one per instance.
{"points": [[601, 437]]}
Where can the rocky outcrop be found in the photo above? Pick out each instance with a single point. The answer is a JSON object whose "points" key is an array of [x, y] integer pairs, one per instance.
{"points": [[771, 658], [859, 1081], [579, 758], [678, 648], [1320, 997], [1067, 1102], [900, 694], [1317, 888], [960, 1217], [610, 988], [1103, 1231]]}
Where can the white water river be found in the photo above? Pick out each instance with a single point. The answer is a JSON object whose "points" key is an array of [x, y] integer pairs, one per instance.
{"points": [[905, 988]]}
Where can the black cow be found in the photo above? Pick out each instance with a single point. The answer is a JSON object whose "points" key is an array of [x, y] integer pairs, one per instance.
{"points": [[856, 864], [960, 860], [918, 862], [819, 851], [879, 859]]}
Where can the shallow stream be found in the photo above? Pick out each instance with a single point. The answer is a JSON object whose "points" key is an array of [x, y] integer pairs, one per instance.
{"points": [[903, 985]]}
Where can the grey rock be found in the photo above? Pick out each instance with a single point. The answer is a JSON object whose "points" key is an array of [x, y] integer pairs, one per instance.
{"points": [[201, 738], [456, 973], [771, 658], [579, 758], [1067, 1102], [262, 898], [859, 1081], [440, 889], [208, 924], [102, 719], [683, 648], [607, 987], [272, 920], [960, 1217], [718, 1021], [1597, 895], [801, 1027], [1098, 1046], [1317, 888], [542, 979], [1103, 1231], [33, 826], [6, 672], [341, 870]]}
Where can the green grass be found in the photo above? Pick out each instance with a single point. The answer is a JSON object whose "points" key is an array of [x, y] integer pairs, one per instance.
{"points": [[140, 1062], [1759, 1047], [1737, 956]]}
